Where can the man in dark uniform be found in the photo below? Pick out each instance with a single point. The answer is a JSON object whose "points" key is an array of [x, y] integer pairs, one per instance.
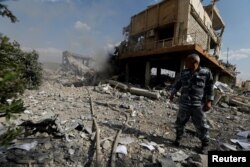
{"points": [[196, 85]]}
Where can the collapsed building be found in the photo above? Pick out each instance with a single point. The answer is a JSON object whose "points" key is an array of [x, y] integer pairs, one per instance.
{"points": [[76, 62], [162, 35]]}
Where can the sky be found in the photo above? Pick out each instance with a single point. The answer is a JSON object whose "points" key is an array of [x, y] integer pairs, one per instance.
{"points": [[92, 27]]}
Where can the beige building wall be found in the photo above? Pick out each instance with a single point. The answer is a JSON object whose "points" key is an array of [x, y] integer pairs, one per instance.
{"points": [[247, 85]]}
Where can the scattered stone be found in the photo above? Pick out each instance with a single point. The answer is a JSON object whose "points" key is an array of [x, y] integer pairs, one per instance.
{"points": [[122, 149], [179, 156], [133, 113], [83, 135], [28, 112], [151, 117], [211, 123], [47, 145], [106, 145], [88, 129], [227, 147], [242, 143], [166, 162], [24, 146], [126, 140], [224, 105], [197, 160], [245, 134], [160, 149], [149, 146], [71, 151]]}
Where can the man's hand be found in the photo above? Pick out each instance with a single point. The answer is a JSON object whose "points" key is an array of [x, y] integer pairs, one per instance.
{"points": [[207, 106]]}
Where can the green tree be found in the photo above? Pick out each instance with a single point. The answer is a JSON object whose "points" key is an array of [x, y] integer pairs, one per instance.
{"points": [[5, 12], [19, 70]]}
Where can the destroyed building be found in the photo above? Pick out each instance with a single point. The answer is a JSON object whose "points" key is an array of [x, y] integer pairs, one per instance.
{"points": [[76, 62], [162, 35]]}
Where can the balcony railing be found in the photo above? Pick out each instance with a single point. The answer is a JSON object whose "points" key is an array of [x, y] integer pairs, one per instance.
{"points": [[144, 45]]}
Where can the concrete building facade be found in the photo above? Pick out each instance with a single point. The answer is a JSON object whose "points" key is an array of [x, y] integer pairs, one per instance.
{"points": [[162, 35]]}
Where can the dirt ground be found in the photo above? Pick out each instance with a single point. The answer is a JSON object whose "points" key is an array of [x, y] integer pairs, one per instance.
{"points": [[148, 121]]}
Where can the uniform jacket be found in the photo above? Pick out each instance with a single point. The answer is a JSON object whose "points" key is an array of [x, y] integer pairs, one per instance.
{"points": [[195, 87]]}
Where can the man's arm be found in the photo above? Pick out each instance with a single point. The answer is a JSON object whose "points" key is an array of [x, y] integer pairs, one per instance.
{"points": [[175, 89], [209, 91]]}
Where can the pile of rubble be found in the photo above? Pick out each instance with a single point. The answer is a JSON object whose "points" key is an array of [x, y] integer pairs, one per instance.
{"points": [[114, 124], [69, 77], [227, 98]]}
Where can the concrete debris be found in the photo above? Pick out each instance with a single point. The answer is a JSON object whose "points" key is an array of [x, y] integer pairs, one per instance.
{"points": [[246, 94], [84, 135], [120, 85], [160, 149], [122, 149], [167, 162], [245, 134], [146, 93], [227, 147], [58, 117], [24, 146], [3, 129], [222, 87], [135, 91], [197, 160], [106, 145], [47, 145], [28, 112], [150, 146], [242, 143], [179, 156], [71, 151], [126, 140], [224, 105]]}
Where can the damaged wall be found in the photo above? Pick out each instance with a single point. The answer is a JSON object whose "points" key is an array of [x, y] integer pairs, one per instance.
{"points": [[196, 34]]}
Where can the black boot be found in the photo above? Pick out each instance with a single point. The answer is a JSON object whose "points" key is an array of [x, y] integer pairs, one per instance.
{"points": [[204, 148], [177, 141]]}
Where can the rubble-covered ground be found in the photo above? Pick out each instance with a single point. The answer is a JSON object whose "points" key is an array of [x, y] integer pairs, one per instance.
{"points": [[59, 130]]}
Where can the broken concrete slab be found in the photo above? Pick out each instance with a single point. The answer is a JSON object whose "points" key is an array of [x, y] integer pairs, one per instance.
{"points": [[224, 105], [122, 149], [223, 87], [245, 134], [106, 145], [197, 160], [179, 156], [227, 147], [118, 85], [150, 146], [240, 104], [244, 145], [166, 162], [24, 146], [126, 140], [160, 149], [144, 92]]}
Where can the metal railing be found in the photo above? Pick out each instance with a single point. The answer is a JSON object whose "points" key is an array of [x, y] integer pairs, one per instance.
{"points": [[187, 39]]}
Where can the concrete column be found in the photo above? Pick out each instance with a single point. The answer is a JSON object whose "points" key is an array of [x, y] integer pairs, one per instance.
{"points": [[147, 73], [127, 72]]}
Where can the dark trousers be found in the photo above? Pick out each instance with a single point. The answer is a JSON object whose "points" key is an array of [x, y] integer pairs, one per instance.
{"points": [[198, 118]]}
